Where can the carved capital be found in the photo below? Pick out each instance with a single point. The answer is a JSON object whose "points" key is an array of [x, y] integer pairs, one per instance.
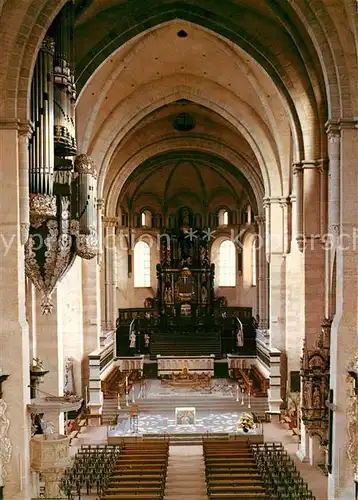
{"points": [[297, 168], [100, 203], [109, 222], [260, 219]]}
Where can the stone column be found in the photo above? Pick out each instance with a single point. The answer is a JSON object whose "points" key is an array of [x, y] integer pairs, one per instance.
{"points": [[91, 312], [100, 205], [14, 335], [295, 274], [314, 254], [24, 135], [344, 337], [298, 193], [277, 272], [110, 224], [334, 197], [49, 340], [262, 275]]}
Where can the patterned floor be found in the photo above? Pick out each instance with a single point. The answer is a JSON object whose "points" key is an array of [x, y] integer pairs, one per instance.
{"points": [[165, 423]]}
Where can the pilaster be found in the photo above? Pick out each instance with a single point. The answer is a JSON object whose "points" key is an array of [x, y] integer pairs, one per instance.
{"points": [[91, 312], [344, 338], [262, 275], [110, 224], [14, 335], [49, 340]]}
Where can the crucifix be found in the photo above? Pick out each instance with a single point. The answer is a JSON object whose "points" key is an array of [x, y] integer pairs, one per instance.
{"points": [[331, 407]]}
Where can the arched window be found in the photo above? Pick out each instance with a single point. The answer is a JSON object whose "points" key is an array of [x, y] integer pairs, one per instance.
{"points": [[254, 263], [146, 219], [227, 264], [248, 214], [141, 264], [223, 217]]}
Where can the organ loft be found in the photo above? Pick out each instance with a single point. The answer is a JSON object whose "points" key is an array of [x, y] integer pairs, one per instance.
{"points": [[178, 257]]}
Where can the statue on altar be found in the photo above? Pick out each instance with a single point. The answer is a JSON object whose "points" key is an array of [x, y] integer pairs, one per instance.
{"points": [[132, 340], [204, 294], [168, 295]]}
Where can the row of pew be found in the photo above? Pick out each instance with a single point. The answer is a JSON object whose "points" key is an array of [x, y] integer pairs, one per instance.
{"points": [[281, 478], [140, 472], [90, 471], [231, 471]]}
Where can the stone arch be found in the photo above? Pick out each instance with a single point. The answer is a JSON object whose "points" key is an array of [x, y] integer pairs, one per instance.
{"points": [[170, 144], [23, 29], [104, 147]]}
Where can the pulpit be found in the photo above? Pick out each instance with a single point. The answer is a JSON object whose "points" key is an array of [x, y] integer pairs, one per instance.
{"points": [[50, 457]]}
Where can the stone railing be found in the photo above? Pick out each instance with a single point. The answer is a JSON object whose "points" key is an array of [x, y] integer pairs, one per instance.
{"points": [[100, 363]]}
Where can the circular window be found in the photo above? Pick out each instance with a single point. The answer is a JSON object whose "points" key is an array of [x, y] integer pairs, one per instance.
{"points": [[184, 122]]}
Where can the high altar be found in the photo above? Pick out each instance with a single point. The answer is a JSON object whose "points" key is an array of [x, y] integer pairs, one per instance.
{"points": [[185, 275]]}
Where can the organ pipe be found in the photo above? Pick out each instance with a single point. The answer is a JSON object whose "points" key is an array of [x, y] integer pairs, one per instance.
{"points": [[41, 166], [64, 86]]}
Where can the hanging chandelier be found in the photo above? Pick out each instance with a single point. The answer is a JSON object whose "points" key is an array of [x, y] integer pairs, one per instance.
{"points": [[63, 217]]}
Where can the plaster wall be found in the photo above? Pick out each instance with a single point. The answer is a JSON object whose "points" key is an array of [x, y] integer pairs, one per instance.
{"points": [[70, 318]]}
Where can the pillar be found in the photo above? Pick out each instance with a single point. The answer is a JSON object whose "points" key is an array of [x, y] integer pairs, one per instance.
{"points": [[109, 243], [49, 341], [333, 135], [344, 337], [295, 275], [91, 314], [314, 253], [14, 335], [262, 275]]}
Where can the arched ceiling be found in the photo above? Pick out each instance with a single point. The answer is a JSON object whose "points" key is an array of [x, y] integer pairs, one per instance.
{"points": [[168, 181], [250, 73], [131, 100]]}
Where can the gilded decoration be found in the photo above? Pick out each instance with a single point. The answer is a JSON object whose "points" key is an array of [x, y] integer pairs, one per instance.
{"points": [[5, 444], [87, 246], [315, 385], [42, 206], [49, 254], [85, 165], [352, 412]]}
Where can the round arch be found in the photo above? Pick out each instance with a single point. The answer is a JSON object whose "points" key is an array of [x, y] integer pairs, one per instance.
{"points": [[124, 118], [169, 144], [23, 29]]}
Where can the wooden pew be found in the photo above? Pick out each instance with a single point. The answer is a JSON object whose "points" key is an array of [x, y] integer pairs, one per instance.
{"points": [[231, 471], [140, 472]]}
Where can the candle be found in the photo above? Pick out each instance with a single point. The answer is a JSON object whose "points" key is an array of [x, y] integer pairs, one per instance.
{"points": [[126, 383], [86, 397], [237, 392]]}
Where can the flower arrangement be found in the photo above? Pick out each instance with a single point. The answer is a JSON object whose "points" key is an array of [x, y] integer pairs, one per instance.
{"points": [[246, 422]]}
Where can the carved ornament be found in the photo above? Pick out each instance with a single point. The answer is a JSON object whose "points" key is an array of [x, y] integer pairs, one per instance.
{"points": [[42, 207], [315, 384], [352, 412], [5, 444], [85, 165]]}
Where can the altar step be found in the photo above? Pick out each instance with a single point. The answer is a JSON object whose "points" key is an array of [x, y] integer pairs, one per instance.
{"points": [[208, 404], [185, 474]]}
